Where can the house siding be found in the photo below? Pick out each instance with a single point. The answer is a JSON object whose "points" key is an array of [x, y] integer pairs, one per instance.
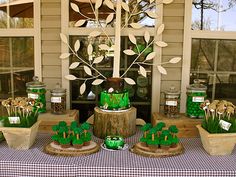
{"points": [[173, 18], [51, 44]]}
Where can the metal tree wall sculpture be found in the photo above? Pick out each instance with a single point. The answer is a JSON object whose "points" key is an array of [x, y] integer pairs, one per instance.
{"points": [[89, 65]]}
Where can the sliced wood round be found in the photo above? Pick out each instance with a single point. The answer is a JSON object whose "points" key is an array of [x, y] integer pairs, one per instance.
{"points": [[146, 151], [114, 122], [54, 149]]}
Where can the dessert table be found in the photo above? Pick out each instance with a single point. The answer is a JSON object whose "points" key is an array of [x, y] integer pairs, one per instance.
{"points": [[194, 162]]}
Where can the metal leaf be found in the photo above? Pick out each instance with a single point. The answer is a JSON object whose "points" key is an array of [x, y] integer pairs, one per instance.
{"points": [[80, 23], [143, 71], [74, 65], [63, 38], [151, 14], [109, 4], [82, 88], [74, 7], [77, 45], [129, 52], [98, 59], [161, 44], [136, 25], [104, 47], [132, 39], [94, 34], [150, 56], [125, 6], [175, 60], [138, 1], [129, 81], [97, 82], [161, 70], [147, 36], [64, 55], [90, 49], [70, 77], [167, 1], [98, 4], [160, 29], [88, 70], [109, 18], [151, 1]]}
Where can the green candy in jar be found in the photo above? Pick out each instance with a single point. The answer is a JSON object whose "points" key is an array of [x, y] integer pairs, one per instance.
{"points": [[36, 90], [196, 94]]}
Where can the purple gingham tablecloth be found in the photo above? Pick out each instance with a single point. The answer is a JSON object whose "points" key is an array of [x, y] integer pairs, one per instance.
{"points": [[194, 162]]}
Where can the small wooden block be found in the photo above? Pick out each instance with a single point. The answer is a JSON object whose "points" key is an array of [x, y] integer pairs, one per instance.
{"points": [[48, 120], [187, 126]]}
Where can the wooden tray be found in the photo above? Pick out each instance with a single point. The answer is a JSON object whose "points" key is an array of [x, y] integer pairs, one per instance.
{"points": [[148, 152], [54, 149]]}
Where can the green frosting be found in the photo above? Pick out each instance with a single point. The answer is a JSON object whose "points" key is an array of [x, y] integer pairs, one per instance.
{"points": [[114, 142], [114, 100]]}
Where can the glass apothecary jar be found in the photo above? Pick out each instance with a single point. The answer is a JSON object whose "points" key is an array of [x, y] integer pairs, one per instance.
{"points": [[37, 90], [58, 100], [172, 102], [196, 94]]}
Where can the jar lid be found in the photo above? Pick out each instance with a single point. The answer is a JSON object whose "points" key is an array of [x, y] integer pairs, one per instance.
{"points": [[197, 86], [58, 89], [172, 91], [35, 83]]}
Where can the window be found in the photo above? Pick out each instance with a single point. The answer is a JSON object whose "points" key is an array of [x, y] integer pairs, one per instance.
{"points": [[211, 34], [141, 95], [19, 46]]}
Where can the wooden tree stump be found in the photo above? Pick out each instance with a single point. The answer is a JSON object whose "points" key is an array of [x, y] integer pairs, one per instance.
{"points": [[114, 122]]}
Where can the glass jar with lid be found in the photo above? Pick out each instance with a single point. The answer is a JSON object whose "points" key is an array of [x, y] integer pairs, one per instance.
{"points": [[37, 90], [172, 102], [58, 100], [196, 94]]}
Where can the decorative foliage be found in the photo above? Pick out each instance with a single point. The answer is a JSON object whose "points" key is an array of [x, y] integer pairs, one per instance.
{"points": [[219, 116], [22, 112], [89, 65]]}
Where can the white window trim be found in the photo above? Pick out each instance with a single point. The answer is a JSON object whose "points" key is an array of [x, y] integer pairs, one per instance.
{"points": [[156, 76], [188, 36], [30, 32]]}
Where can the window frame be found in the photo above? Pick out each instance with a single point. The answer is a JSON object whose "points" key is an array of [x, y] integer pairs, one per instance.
{"points": [[156, 76], [34, 32], [190, 34]]}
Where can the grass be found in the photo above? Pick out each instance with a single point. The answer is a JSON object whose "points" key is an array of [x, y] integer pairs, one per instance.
{"points": [[212, 125]]}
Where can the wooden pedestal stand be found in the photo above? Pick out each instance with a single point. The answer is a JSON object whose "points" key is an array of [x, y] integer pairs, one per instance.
{"points": [[114, 122], [156, 152], [54, 149]]}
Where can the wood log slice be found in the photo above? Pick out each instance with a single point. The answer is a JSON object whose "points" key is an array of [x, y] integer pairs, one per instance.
{"points": [[55, 149], [121, 123], [158, 152]]}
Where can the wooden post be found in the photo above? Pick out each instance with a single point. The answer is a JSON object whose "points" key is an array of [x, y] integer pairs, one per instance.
{"points": [[116, 63], [114, 123]]}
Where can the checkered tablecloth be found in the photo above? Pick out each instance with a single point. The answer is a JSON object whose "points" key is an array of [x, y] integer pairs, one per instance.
{"points": [[194, 162]]}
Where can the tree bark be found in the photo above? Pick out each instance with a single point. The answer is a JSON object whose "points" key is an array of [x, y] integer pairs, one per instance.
{"points": [[114, 123]]}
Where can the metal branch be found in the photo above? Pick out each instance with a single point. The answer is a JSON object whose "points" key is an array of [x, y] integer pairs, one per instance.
{"points": [[85, 62], [137, 58], [102, 28]]}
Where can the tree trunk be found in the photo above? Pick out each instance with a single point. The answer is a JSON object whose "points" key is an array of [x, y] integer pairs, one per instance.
{"points": [[114, 123]]}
